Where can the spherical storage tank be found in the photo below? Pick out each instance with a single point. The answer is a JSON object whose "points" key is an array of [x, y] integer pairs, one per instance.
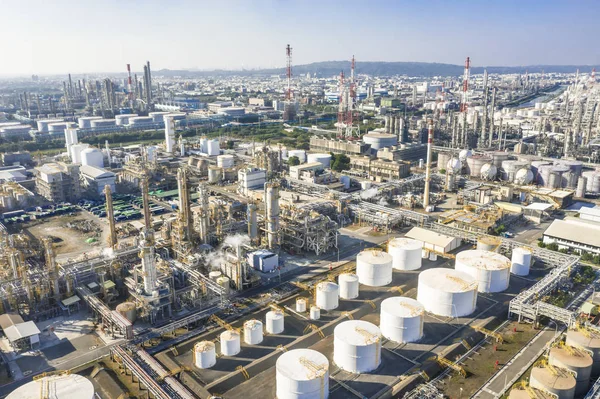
{"points": [[357, 346], [401, 319], [327, 295], [454, 166], [230, 343], [92, 157], [301, 154], [275, 322], [205, 354], [475, 163], [380, 140], [447, 292], [489, 171], [562, 384], [406, 253], [323, 159], [523, 176], [302, 374], [253, 332], [589, 342], [374, 268], [348, 283], [68, 386], [464, 154], [575, 360], [490, 269], [520, 261], [225, 161]]}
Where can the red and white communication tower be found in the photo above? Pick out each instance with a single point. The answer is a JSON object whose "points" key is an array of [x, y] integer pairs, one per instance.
{"points": [[288, 54], [352, 104], [463, 104], [593, 76], [130, 87], [341, 111]]}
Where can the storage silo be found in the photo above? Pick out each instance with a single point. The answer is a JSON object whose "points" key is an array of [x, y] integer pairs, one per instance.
{"points": [[406, 253], [205, 354], [357, 346], [589, 341], [213, 148], [576, 360], [323, 159], [301, 305], [562, 384], [76, 151], [302, 374], [348, 283], [230, 343], [401, 319], [214, 275], [65, 386], [442, 160], [581, 187], [225, 161], [593, 181], [253, 332], [301, 154], [214, 174], [490, 269], [447, 292], [520, 261], [327, 295], [463, 155], [92, 157], [374, 268], [127, 310]]}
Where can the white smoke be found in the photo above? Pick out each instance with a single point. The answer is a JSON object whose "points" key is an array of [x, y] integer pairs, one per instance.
{"points": [[108, 253], [218, 257], [368, 193], [236, 240]]}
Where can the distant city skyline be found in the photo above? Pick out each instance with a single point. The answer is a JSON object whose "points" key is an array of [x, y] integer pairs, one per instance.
{"points": [[103, 36]]}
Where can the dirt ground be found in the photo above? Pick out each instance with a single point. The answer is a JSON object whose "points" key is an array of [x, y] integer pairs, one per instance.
{"points": [[480, 366], [71, 242]]}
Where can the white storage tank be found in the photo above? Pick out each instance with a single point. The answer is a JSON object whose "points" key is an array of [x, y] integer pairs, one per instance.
{"points": [[589, 341], [76, 151], [85, 122], [100, 123], [401, 319], [491, 269], [230, 343], [406, 253], [464, 154], [214, 174], [323, 159], [454, 166], [301, 154], [581, 187], [69, 386], [158, 116], [447, 292], [561, 385], [520, 261], [523, 176], [380, 140], [223, 282], [225, 161], [489, 171], [302, 374], [123, 119], [374, 268], [348, 283], [593, 181], [214, 275], [576, 360], [301, 305], [327, 295], [315, 313], [488, 243], [127, 310], [212, 147], [92, 157], [275, 322], [205, 354], [253, 332], [357, 346]]}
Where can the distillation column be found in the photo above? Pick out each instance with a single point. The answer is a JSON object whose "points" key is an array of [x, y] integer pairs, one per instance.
{"points": [[147, 244], [272, 214], [252, 223], [204, 219], [184, 203], [110, 215], [51, 266], [428, 167]]}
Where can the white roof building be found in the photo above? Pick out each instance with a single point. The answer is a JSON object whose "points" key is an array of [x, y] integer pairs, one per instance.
{"points": [[434, 241], [98, 178], [574, 233]]}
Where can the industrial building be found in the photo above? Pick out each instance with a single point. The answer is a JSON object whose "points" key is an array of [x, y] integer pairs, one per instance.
{"points": [[574, 233], [58, 182], [347, 147]]}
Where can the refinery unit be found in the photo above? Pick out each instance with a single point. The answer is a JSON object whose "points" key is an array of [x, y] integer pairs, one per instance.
{"points": [[374, 265]]}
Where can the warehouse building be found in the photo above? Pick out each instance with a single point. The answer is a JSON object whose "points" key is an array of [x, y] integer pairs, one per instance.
{"points": [[327, 145], [574, 233], [433, 241]]}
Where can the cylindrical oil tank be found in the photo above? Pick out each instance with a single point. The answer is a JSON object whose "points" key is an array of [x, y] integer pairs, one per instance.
{"points": [[301, 305], [489, 171], [302, 374], [348, 283], [253, 332], [488, 243], [406, 253], [497, 157], [213, 148], [225, 161], [66, 386], [447, 292], [205, 354], [589, 341], [490, 269], [543, 175], [569, 180], [442, 160], [230, 343], [517, 393], [401, 319], [301, 154], [581, 187], [574, 166], [324, 159], [453, 166], [508, 169], [475, 163], [520, 261], [275, 322], [315, 313], [523, 176], [127, 310], [432, 256], [380, 140], [576, 360], [92, 157], [214, 174], [224, 281], [357, 346], [374, 268], [593, 181], [327, 295], [562, 385], [554, 180], [535, 167], [214, 275]]}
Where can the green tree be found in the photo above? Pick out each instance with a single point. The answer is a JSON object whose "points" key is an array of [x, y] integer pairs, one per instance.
{"points": [[340, 162], [293, 161]]}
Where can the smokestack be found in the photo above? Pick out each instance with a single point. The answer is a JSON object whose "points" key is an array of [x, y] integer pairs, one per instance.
{"points": [[492, 110], [428, 168], [110, 215]]}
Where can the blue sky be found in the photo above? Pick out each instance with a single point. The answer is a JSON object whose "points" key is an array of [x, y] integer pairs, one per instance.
{"points": [[79, 36]]}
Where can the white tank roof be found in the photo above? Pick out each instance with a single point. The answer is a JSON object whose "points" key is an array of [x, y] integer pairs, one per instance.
{"points": [[59, 387], [374, 257], [401, 306], [485, 260], [289, 364], [349, 332], [448, 280]]}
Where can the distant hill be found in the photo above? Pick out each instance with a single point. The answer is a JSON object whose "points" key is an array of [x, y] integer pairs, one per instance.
{"points": [[377, 68]]}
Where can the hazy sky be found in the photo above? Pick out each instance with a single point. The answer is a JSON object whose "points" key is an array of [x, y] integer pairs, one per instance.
{"points": [[60, 36]]}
